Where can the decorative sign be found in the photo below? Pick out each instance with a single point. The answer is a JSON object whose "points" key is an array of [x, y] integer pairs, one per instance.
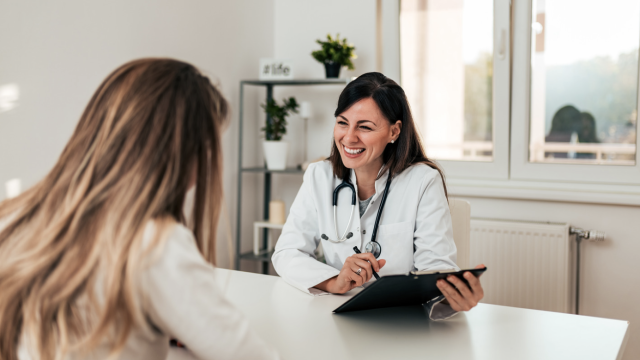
{"points": [[274, 69]]}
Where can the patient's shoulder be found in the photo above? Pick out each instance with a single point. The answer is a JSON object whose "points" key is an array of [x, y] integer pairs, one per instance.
{"points": [[164, 239]]}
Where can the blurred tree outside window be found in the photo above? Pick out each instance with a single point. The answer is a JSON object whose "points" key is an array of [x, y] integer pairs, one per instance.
{"points": [[447, 64], [584, 79], [584, 82]]}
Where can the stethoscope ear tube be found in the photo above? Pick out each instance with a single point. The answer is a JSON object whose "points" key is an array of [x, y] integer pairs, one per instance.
{"points": [[337, 190], [373, 246], [346, 235]]}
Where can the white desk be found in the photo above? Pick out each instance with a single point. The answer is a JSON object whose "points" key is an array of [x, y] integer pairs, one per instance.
{"points": [[303, 327]]}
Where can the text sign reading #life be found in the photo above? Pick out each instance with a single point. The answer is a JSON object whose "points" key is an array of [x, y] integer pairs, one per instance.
{"points": [[274, 69]]}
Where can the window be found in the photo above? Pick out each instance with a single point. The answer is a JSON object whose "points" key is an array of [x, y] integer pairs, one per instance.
{"points": [[584, 89], [525, 90], [574, 91], [447, 61], [455, 70]]}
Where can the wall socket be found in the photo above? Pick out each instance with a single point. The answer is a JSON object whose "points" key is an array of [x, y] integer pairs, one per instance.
{"points": [[13, 188]]}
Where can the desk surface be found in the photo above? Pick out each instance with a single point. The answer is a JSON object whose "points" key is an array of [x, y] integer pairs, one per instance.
{"points": [[303, 327]]}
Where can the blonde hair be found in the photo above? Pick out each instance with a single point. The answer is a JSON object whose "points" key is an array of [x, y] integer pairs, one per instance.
{"points": [[127, 163]]}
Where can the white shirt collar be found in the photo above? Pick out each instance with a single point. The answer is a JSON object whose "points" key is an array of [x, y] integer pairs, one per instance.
{"points": [[380, 183]]}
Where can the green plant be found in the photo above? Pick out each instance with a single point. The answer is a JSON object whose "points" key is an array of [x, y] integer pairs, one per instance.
{"points": [[276, 125], [334, 50]]}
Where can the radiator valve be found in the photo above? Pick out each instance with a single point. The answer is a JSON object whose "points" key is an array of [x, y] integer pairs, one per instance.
{"points": [[592, 235]]}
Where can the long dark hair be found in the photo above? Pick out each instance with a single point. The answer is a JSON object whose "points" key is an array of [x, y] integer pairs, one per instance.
{"points": [[392, 101]]}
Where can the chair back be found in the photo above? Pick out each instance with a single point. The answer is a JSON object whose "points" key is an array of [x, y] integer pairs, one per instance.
{"points": [[461, 220]]}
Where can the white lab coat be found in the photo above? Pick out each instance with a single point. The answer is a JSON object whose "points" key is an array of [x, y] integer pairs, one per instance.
{"points": [[415, 226]]}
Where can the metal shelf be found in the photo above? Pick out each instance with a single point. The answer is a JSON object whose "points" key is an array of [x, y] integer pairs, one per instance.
{"points": [[297, 82], [263, 257], [265, 170]]}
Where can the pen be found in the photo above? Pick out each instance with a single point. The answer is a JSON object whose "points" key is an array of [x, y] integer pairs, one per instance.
{"points": [[355, 248]]}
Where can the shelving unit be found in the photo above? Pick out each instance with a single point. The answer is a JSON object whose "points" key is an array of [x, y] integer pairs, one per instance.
{"points": [[265, 256]]}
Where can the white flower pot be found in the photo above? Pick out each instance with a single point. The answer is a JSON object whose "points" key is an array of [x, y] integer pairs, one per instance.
{"points": [[275, 153]]}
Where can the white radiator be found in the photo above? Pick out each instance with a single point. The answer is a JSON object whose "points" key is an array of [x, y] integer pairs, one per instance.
{"points": [[530, 265]]}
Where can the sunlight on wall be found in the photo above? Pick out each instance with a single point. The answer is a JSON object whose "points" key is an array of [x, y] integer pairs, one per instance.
{"points": [[9, 95], [13, 188]]}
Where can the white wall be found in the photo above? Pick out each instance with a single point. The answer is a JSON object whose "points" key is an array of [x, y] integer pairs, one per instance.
{"points": [[58, 53], [298, 24]]}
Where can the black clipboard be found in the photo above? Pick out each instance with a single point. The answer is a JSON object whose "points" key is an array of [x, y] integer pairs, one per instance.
{"points": [[401, 290]]}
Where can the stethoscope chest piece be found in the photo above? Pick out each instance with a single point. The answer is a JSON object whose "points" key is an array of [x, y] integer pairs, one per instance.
{"points": [[374, 248]]}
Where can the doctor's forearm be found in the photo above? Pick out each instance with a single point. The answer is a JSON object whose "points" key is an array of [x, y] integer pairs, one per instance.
{"points": [[327, 285]]}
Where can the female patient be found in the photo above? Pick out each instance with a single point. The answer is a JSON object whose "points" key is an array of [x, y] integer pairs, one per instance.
{"points": [[95, 260]]}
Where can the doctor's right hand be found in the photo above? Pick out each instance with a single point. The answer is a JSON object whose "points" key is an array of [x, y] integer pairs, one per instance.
{"points": [[355, 272]]}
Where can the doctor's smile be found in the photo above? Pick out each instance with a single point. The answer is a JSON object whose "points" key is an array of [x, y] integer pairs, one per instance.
{"points": [[352, 153]]}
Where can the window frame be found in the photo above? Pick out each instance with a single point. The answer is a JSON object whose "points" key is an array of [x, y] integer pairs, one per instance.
{"points": [[521, 168], [511, 175]]}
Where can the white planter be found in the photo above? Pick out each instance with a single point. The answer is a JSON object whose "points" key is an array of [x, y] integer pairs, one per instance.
{"points": [[275, 153]]}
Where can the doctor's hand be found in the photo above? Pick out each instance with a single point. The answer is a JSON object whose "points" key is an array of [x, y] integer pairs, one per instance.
{"points": [[460, 296], [349, 277]]}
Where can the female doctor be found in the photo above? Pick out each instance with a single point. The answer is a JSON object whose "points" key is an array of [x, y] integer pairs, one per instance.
{"points": [[376, 158]]}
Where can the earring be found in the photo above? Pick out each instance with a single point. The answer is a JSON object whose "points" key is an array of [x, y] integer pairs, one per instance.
{"points": [[392, 141]]}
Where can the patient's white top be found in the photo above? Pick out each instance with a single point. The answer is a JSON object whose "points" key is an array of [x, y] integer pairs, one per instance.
{"points": [[183, 301]]}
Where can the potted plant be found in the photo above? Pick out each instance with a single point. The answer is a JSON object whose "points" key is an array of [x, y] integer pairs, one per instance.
{"points": [[334, 55], [275, 150]]}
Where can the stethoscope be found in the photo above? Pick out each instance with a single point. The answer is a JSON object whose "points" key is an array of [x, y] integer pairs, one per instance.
{"points": [[372, 246]]}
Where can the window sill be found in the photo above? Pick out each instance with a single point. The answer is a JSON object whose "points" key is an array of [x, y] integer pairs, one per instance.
{"points": [[628, 195]]}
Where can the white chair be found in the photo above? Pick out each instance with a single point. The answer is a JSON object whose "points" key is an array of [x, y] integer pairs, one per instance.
{"points": [[461, 220]]}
